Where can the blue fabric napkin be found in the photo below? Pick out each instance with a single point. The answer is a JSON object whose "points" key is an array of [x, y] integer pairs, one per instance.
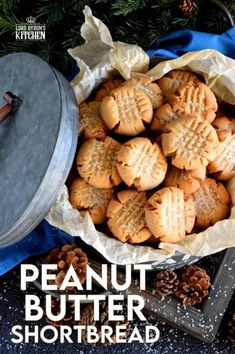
{"points": [[180, 42], [46, 237]]}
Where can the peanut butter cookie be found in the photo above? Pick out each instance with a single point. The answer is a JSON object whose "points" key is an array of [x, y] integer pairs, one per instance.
{"points": [[211, 203], [169, 214], [91, 122], [176, 78], [152, 90], [164, 115], [224, 127], [189, 181], [126, 110], [195, 100], [126, 216], [106, 87], [96, 162], [83, 196], [223, 164], [141, 164], [190, 142]]}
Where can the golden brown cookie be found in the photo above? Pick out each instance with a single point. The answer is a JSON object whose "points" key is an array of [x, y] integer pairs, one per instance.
{"points": [[189, 181], [223, 164], [83, 196], [190, 142], [126, 216], [96, 162], [196, 100], [141, 164], [106, 87], [152, 90], [169, 214], [165, 114], [224, 127], [176, 78], [190, 214], [211, 203], [91, 123], [126, 110]]}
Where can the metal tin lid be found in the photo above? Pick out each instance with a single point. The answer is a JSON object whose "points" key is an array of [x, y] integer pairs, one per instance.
{"points": [[37, 142]]}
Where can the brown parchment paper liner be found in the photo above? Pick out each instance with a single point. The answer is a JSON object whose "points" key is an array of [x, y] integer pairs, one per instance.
{"points": [[99, 58]]}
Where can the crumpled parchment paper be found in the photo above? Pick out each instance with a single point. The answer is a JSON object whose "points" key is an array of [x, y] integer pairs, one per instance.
{"points": [[99, 58]]}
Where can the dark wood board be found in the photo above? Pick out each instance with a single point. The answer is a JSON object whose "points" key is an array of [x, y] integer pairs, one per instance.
{"points": [[202, 324]]}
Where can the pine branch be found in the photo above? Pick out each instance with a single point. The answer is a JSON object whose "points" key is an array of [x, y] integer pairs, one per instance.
{"points": [[124, 7], [163, 4], [16, 46], [8, 23], [72, 37], [52, 11], [140, 22], [5, 6], [47, 50], [101, 1]]}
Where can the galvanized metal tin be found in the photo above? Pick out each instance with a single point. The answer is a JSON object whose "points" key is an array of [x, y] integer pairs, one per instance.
{"points": [[37, 146], [37, 143]]}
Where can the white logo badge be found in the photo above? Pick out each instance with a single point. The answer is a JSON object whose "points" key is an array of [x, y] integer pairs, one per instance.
{"points": [[31, 30]]}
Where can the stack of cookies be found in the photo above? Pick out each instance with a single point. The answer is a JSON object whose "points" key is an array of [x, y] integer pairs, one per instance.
{"points": [[153, 158]]}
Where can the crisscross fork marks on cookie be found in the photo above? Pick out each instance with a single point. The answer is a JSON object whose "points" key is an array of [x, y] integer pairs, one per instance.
{"points": [[145, 158], [153, 164], [173, 212], [141, 164], [152, 90], [211, 203], [130, 105], [194, 97], [126, 216], [191, 142], [126, 110], [91, 122], [131, 215], [195, 100], [96, 162], [103, 157], [224, 161], [93, 197], [146, 89], [165, 215], [176, 78]]}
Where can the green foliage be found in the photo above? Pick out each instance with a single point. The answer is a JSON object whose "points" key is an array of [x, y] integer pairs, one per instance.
{"points": [[140, 22], [123, 7], [8, 23]]}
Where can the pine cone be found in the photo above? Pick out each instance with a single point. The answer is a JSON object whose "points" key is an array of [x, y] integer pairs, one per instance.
{"points": [[194, 287], [187, 7], [65, 256], [87, 319], [231, 329], [55, 309], [166, 282]]}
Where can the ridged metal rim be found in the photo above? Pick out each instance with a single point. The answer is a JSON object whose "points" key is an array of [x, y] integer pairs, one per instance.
{"points": [[57, 171]]}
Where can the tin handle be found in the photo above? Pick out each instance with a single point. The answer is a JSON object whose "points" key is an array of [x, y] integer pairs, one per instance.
{"points": [[11, 106]]}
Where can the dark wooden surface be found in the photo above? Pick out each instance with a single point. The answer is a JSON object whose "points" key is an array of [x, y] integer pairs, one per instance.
{"points": [[202, 324], [172, 340]]}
